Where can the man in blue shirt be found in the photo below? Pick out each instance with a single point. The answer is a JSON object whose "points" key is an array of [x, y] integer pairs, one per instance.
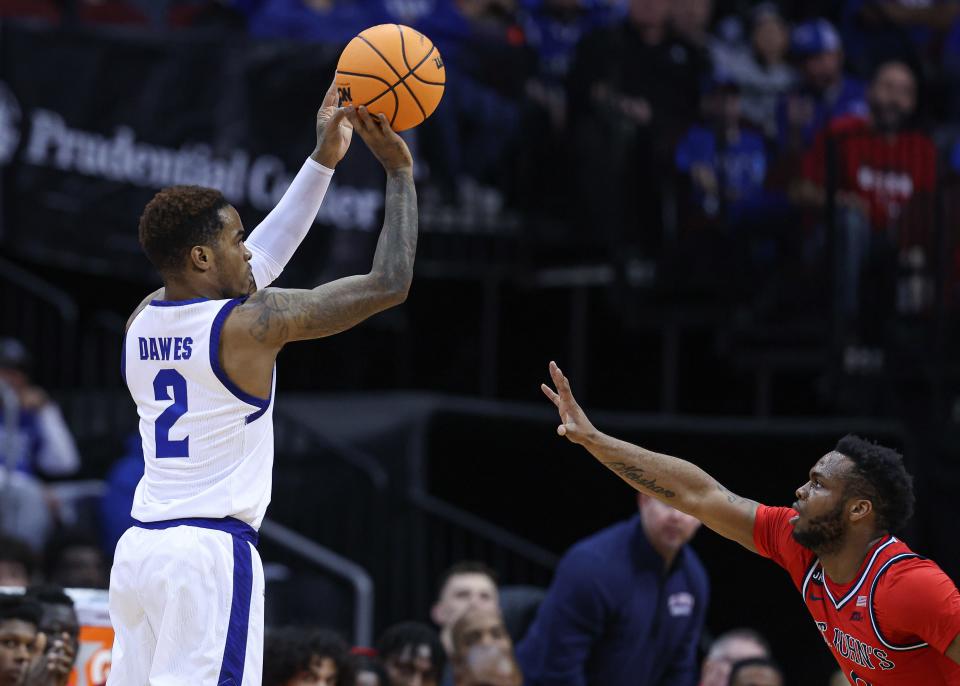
{"points": [[824, 92], [626, 607]]}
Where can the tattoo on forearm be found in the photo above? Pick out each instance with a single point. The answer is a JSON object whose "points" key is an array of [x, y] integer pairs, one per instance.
{"points": [[397, 245], [731, 497], [637, 476], [286, 315]]}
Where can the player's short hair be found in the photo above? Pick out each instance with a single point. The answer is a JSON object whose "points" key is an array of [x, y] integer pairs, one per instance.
{"points": [[22, 608], [410, 635], [175, 220], [753, 662], [739, 634], [289, 650], [15, 550], [466, 567], [50, 594], [879, 475]]}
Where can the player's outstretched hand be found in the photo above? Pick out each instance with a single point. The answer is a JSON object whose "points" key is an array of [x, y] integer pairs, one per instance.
{"points": [[383, 141], [334, 131], [575, 425]]}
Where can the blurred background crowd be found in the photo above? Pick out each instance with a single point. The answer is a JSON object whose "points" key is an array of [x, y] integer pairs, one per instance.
{"points": [[734, 222]]}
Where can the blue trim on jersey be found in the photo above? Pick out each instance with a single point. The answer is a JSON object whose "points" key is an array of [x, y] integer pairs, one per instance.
{"points": [[235, 647], [177, 303], [215, 331], [259, 413], [241, 531]]}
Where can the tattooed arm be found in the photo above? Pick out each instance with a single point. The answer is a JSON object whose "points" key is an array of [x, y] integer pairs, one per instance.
{"points": [[274, 316], [676, 482]]}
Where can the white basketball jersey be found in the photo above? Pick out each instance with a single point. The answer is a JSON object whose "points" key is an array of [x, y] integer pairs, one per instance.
{"points": [[207, 445]]}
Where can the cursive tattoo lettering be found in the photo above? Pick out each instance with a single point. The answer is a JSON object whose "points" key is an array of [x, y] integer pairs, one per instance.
{"points": [[635, 475]]}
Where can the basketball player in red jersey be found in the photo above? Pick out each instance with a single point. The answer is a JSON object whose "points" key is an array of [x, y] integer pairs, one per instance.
{"points": [[890, 617]]}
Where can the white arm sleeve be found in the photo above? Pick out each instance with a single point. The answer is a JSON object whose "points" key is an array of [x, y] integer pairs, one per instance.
{"points": [[279, 235]]}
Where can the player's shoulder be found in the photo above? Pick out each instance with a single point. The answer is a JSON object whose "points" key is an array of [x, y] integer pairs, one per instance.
{"points": [[156, 295], [907, 573]]}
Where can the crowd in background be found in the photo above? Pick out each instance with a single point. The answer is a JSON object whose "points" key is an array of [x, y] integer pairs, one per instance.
{"points": [[815, 122]]}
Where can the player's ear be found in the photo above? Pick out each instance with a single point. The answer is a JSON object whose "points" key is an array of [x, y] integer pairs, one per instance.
{"points": [[201, 257], [859, 509]]}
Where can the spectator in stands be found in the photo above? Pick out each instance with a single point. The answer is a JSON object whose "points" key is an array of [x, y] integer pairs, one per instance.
{"points": [[19, 618], [725, 163], [24, 510], [824, 91], [626, 607], [885, 176], [369, 671], [412, 654], [690, 20], [74, 560], [61, 630], [757, 671], [465, 585], [629, 94], [117, 500], [329, 21], [759, 68], [17, 562], [727, 649], [482, 650], [45, 445], [297, 656]]}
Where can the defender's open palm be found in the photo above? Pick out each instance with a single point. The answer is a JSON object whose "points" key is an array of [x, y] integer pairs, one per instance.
{"points": [[575, 424]]}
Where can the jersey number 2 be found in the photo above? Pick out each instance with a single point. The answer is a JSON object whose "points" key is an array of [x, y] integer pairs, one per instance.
{"points": [[168, 380]]}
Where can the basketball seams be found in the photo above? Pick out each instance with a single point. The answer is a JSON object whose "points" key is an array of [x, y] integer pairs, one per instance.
{"points": [[402, 79]]}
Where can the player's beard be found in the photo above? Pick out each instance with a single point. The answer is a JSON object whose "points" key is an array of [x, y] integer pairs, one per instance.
{"points": [[824, 534]]}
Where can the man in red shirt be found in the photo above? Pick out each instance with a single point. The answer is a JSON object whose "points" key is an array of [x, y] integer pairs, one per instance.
{"points": [[890, 617], [881, 164]]}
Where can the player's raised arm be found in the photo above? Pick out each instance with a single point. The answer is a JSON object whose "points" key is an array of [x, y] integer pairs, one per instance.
{"points": [[676, 482], [281, 232], [276, 316]]}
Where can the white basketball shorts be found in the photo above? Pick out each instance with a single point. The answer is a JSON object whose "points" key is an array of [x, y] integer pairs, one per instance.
{"points": [[186, 603]]}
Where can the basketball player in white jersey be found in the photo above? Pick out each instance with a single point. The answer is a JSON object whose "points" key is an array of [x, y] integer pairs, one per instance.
{"points": [[186, 589]]}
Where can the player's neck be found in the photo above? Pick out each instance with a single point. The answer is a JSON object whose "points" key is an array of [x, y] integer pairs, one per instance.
{"points": [[176, 289], [843, 565]]}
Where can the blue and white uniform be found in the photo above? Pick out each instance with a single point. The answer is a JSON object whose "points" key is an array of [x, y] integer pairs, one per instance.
{"points": [[186, 588]]}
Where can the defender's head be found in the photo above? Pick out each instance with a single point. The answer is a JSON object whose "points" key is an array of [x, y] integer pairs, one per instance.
{"points": [[193, 236], [858, 486]]}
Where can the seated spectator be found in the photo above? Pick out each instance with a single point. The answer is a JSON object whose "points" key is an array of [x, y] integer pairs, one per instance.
{"points": [[482, 650], [298, 656], [24, 509], [726, 163], [17, 562], [465, 585], [626, 607], [19, 618], [45, 444], [824, 90], [728, 648], [756, 671], [760, 69], [629, 94], [74, 560], [369, 671], [321, 21], [117, 500], [885, 179], [61, 629], [412, 655]]}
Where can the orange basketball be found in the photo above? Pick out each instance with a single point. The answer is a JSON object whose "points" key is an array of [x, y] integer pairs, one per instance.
{"points": [[394, 70]]}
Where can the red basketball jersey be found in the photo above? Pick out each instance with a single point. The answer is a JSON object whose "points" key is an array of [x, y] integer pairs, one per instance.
{"points": [[891, 625]]}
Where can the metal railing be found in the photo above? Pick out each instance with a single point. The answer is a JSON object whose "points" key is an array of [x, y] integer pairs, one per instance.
{"points": [[44, 318], [335, 565]]}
